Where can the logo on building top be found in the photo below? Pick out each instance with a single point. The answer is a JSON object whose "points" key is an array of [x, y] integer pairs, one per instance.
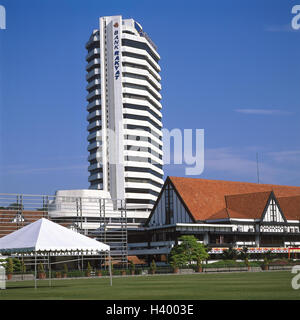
{"points": [[116, 44]]}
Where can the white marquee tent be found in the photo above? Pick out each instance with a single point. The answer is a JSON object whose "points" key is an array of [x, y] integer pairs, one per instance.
{"points": [[45, 236]]}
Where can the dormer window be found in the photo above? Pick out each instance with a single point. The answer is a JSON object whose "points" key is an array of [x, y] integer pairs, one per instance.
{"points": [[273, 213]]}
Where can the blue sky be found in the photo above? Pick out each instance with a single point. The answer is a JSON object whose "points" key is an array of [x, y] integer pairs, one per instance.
{"points": [[228, 67]]}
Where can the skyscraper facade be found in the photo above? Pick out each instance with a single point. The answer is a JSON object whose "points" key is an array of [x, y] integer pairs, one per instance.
{"points": [[124, 113]]}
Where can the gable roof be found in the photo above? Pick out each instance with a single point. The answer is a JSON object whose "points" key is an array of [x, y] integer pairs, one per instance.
{"points": [[206, 199], [248, 205], [290, 206]]}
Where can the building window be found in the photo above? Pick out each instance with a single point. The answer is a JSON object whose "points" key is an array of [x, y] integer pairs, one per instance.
{"points": [[273, 211], [169, 203]]}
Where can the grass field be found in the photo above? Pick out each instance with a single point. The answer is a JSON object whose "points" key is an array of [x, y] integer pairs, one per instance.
{"points": [[247, 285]]}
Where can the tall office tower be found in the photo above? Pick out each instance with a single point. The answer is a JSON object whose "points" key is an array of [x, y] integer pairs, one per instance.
{"points": [[125, 136]]}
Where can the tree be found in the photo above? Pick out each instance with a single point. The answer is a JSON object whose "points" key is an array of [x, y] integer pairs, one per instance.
{"points": [[267, 256], [41, 268], [88, 269], [153, 266], [23, 267], [9, 266], [244, 254], [230, 254], [174, 262], [17, 265], [188, 251], [132, 267], [65, 269], [15, 206]]}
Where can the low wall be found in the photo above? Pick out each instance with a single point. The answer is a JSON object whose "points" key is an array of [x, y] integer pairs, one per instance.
{"points": [[229, 269], [280, 267], [186, 271], [17, 277]]}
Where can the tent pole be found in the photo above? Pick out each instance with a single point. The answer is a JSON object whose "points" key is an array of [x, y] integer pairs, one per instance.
{"points": [[34, 269], [110, 273], [22, 266], [49, 269]]}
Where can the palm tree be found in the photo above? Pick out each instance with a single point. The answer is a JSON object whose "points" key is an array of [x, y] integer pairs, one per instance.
{"points": [[230, 254], [244, 254]]}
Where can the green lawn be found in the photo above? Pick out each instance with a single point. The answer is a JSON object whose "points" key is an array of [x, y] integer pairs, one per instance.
{"points": [[247, 285]]}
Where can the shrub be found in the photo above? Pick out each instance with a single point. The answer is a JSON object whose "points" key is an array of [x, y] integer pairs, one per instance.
{"points": [[247, 262], [117, 272], [23, 267], [105, 273], [89, 268], [174, 263], [231, 264], [283, 262], [57, 274], [131, 267], [153, 266], [65, 269], [139, 271], [9, 266], [17, 265], [230, 254], [162, 270], [75, 273], [41, 268]]}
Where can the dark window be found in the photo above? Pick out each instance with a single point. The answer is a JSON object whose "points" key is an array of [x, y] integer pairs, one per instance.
{"points": [[140, 201], [273, 211], [144, 108], [147, 191], [139, 45], [147, 129], [141, 180], [138, 169], [142, 118], [169, 203]]}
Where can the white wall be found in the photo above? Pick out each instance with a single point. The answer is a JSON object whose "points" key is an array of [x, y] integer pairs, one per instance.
{"points": [[268, 217]]}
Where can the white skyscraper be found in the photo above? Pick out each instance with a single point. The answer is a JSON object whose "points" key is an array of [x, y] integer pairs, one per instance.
{"points": [[125, 136]]}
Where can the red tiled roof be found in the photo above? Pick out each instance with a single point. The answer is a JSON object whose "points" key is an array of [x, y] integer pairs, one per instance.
{"points": [[207, 198], [136, 260], [7, 216], [249, 205], [221, 214], [226, 214], [290, 207]]}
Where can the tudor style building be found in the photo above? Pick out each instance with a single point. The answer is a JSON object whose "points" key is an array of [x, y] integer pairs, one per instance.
{"points": [[220, 214]]}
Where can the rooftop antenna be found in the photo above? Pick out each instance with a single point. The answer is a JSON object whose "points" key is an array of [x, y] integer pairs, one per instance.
{"points": [[257, 167]]}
